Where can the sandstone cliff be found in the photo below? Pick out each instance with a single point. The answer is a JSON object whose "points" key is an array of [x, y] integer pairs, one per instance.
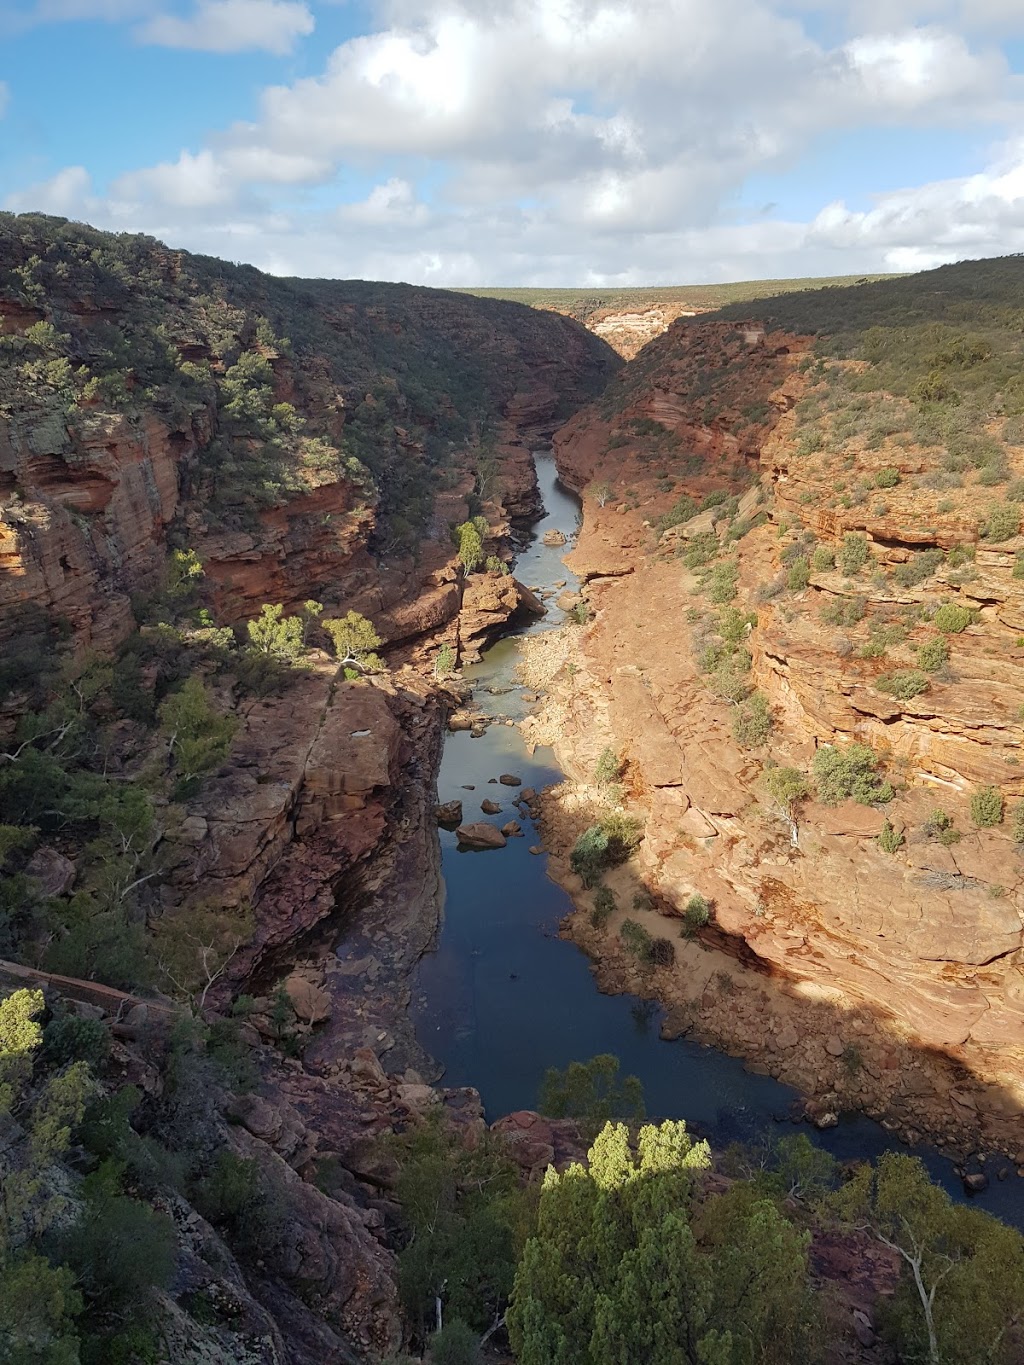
{"points": [[888, 975]]}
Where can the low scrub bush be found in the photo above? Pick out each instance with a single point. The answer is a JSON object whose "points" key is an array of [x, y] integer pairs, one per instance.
{"points": [[604, 907], [752, 721], [822, 560], [853, 553], [987, 807], [849, 772], [933, 655], [904, 683], [843, 611], [890, 838], [1002, 522], [696, 914], [951, 618]]}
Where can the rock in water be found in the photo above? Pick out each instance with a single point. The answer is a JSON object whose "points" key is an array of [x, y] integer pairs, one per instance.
{"points": [[490, 807], [507, 780], [480, 835], [449, 813], [553, 537]]}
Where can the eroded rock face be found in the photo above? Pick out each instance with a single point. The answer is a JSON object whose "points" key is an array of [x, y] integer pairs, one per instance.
{"points": [[912, 959]]}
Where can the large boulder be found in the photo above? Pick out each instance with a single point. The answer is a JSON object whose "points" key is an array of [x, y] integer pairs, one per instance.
{"points": [[449, 813], [480, 835]]}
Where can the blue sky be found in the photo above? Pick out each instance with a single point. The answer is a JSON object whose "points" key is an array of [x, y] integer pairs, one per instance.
{"points": [[528, 141]]}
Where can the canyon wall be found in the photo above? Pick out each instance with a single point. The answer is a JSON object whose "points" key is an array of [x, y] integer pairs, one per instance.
{"points": [[882, 942]]}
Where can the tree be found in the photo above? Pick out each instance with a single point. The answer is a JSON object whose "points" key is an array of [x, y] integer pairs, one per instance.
{"points": [[471, 549], [311, 611], [198, 736], [623, 1269], [601, 492], [274, 633], [194, 947], [785, 787], [592, 1093], [961, 1297], [355, 640]]}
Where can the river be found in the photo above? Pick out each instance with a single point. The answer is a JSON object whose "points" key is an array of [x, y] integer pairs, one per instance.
{"points": [[502, 997]]}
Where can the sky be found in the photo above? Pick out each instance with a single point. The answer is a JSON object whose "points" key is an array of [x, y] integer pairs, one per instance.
{"points": [[525, 142]]}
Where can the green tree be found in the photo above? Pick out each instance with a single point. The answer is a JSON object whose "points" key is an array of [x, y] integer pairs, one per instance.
{"points": [[592, 1093], [784, 787], [962, 1290], [355, 640], [987, 806], [471, 549], [274, 633], [621, 1269], [589, 855], [198, 736]]}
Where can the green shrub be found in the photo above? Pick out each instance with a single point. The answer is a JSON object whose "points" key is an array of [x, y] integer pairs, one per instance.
{"points": [[1018, 822], [609, 767], [940, 826], [604, 907], [822, 560], [904, 684], [1018, 565], [696, 914], [843, 611], [622, 833], [589, 855], [853, 553], [638, 941], [887, 478], [849, 772], [951, 618], [1002, 522], [987, 807], [752, 721], [120, 1250], [70, 1039], [890, 838], [455, 1344], [917, 568], [933, 655], [799, 574]]}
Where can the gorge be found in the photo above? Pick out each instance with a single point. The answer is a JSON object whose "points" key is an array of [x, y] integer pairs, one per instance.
{"points": [[209, 810]]}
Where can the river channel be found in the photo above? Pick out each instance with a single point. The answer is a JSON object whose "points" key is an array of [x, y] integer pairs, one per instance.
{"points": [[502, 997]]}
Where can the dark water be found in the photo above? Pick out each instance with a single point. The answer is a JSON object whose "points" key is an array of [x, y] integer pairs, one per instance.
{"points": [[503, 998]]}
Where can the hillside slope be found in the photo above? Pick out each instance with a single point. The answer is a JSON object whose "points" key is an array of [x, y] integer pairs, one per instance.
{"points": [[802, 534]]}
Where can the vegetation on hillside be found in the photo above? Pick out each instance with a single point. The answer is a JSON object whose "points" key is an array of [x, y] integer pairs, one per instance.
{"points": [[583, 303]]}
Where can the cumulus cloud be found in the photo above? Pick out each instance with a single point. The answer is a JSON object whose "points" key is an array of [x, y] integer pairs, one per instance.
{"points": [[233, 26], [576, 141]]}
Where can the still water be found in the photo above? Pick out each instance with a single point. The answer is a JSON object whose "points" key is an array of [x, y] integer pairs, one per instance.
{"points": [[503, 997]]}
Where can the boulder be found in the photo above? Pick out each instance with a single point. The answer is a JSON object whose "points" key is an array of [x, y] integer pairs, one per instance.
{"points": [[553, 537], [513, 830], [975, 1182], [449, 813], [52, 873], [311, 1004], [490, 807], [480, 836], [508, 780]]}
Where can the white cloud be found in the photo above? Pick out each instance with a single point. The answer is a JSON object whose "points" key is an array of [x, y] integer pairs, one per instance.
{"points": [[233, 26], [574, 141]]}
